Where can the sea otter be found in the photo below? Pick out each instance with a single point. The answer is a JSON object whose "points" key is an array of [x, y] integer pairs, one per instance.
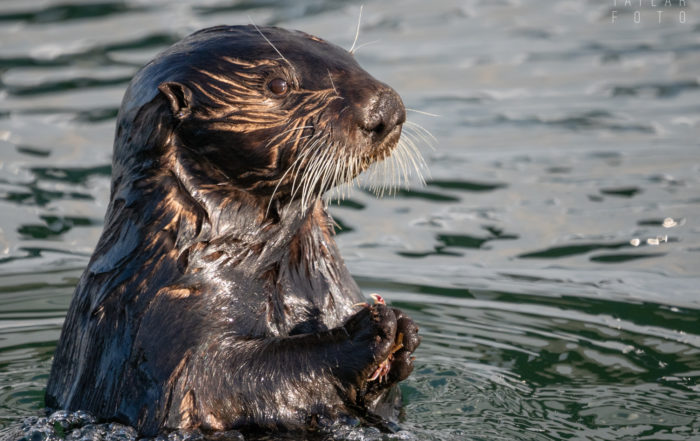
{"points": [[216, 297]]}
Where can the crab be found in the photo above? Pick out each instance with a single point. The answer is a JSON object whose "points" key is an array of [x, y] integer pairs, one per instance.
{"points": [[382, 371]]}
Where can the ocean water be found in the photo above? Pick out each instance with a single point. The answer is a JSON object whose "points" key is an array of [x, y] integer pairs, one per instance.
{"points": [[552, 260]]}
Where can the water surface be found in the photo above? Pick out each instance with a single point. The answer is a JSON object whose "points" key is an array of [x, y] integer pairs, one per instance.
{"points": [[552, 260]]}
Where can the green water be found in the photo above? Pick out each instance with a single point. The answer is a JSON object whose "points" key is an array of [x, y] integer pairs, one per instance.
{"points": [[552, 260]]}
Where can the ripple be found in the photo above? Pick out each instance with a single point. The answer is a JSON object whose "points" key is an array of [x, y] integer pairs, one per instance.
{"points": [[657, 90], [621, 258], [626, 192], [31, 315], [55, 226], [426, 195], [470, 186], [68, 12], [34, 195], [516, 370], [571, 250], [97, 55], [73, 175], [66, 85], [590, 120]]}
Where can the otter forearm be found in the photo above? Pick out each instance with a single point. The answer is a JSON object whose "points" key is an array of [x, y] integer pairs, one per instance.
{"points": [[270, 380]]}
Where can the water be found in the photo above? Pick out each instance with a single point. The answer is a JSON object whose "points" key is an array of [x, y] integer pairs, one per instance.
{"points": [[552, 261]]}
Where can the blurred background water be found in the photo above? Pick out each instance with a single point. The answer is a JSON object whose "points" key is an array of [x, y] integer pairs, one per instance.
{"points": [[552, 261]]}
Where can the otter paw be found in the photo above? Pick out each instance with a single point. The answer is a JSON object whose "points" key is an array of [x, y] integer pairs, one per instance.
{"points": [[372, 336], [408, 341], [398, 364]]}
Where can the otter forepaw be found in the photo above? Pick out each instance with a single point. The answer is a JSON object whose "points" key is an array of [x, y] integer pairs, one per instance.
{"points": [[407, 341], [398, 363], [385, 338]]}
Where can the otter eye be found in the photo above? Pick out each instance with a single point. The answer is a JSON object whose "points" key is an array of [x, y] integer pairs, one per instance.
{"points": [[278, 86]]}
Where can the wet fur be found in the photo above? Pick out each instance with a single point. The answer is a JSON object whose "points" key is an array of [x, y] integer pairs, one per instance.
{"points": [[216, 296]]}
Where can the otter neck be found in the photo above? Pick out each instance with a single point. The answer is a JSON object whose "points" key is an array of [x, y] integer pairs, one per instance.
{"points": [[287, 255], [235, 222]]}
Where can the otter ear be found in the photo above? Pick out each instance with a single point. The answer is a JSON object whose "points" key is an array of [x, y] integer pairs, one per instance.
{"points": [[180, 98]]}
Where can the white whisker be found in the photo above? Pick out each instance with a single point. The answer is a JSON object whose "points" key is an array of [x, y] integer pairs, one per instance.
{"points": [[424, 113], [269, 42], [366, 44], [308, 152], [404, 165], [357, 32], [291, 167], [425, 135], [330, 77]]}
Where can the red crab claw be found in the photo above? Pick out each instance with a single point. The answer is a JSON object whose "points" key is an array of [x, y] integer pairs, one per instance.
{"points": [[378, 300]]}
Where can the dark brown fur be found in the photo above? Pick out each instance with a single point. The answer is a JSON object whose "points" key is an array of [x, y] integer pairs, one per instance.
{"points": [[216, 296]]}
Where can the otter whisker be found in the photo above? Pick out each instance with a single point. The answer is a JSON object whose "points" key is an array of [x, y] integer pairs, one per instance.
{"points": [[310, 153], [419, 166], [336, 180], [270, 43], [336, 170], [408, 146], [330, 77], [350, 172], [291, 167], [324, 175], [332, 169], [318, 173], [415, 135], [340, 174], [345, 174], [417, 157], [401, 159], [424, 134], [386, 186], [392, 168], [355, 169], [423, 113], [310, 178], [357, 32], [403, 165], [307, 177], [297, 169], [366, 44]]}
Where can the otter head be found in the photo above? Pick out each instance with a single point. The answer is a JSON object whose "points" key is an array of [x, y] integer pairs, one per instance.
{"points": [[275, 113]]}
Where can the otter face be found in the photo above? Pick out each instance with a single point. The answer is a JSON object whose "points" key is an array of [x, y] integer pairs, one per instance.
{"points": [[278, 113]]}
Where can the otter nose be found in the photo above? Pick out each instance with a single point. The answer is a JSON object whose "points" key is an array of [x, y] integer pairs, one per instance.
{"points": [[384, 112]]}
